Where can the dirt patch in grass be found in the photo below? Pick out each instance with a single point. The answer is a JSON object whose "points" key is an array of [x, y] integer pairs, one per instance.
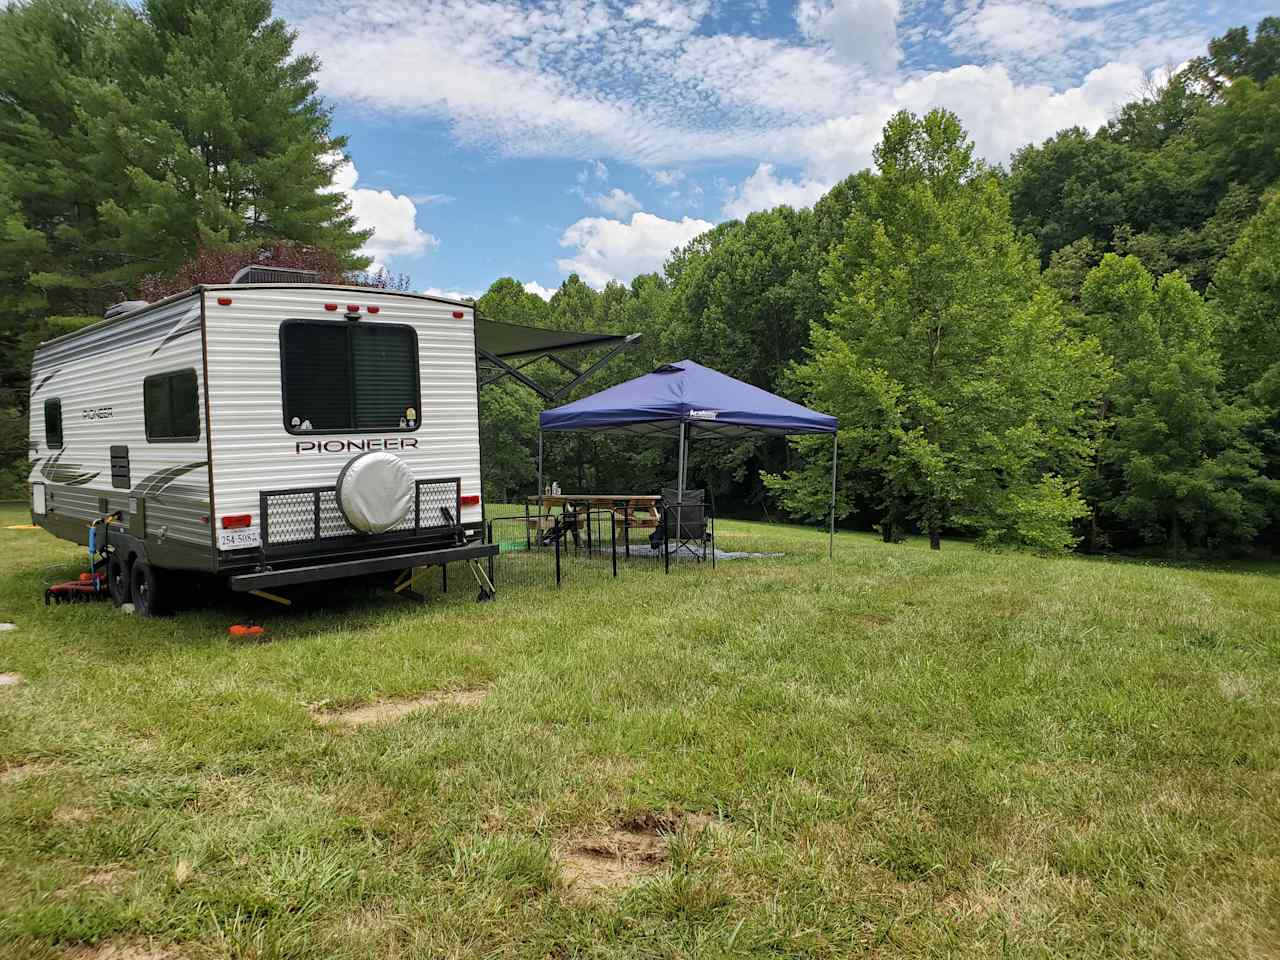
{"points": [[107, 879], [616, 858], [15, 772], [387, 710], [123, 951], [1235, 686], [72, 815], [10, 679]]}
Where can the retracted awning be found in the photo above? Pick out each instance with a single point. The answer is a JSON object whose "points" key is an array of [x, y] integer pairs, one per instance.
{"points": [[512, 340], [506, 349]]}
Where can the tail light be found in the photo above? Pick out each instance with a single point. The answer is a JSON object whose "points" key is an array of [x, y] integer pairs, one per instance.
{"points": [[373, 309], [471, 500], [236, 521]]}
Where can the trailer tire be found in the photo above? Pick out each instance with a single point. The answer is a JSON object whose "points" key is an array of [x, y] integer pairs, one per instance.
{"points": [[119, 586], [148, 595]]}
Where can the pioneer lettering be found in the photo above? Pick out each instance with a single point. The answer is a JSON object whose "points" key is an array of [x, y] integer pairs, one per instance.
{"points": [[355, 446]]}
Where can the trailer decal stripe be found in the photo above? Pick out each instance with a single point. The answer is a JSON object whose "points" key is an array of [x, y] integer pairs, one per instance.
{"points": [[179, 330], [45, 380], [156, 482], [67, 474]]}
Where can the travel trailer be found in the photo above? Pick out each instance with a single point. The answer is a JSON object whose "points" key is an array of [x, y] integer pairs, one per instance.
{"points": [[270, 433]]}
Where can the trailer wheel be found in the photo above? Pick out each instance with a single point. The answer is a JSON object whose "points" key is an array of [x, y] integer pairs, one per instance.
{"points": [[148, 597], [118, 584]]}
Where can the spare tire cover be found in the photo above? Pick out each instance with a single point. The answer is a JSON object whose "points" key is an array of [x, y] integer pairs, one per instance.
{"points": [[375, 491]]}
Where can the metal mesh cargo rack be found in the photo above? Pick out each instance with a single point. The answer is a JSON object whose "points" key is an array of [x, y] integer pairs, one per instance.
{"points": [[298, 520]]}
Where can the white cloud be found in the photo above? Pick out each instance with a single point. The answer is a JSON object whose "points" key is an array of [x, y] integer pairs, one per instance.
{"points": [[427, 199], [450, 294], [667, 178], [661, 83], [605, 249], [617, 202], [1047, 39], [767, 77], [531, 286], [392, 217], [678, 17], [999, 114], [597, 169], [763, 190], [858, 31]]}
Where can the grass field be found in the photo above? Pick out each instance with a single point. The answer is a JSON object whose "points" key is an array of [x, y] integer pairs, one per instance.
{"points": [[898, 754]]}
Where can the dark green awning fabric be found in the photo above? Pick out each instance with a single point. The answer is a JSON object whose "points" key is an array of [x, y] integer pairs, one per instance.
{"points": [[509, 340]]}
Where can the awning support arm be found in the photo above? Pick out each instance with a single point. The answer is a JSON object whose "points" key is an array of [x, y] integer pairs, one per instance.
{"points": [[586, 374], [506, 369], [514, 372]]}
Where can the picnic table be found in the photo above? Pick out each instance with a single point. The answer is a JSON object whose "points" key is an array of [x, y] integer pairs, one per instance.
{"points": [[630, 511]]}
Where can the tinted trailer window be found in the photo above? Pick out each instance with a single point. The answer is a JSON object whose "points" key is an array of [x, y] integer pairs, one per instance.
{"points": [[349, 377]]}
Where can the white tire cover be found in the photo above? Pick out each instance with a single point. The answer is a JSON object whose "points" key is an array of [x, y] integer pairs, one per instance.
{"points": [[375, 491]]}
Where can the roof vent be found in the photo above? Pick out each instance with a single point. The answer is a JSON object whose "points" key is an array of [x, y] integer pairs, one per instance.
{"points": [[125, 306], [257, 273]]}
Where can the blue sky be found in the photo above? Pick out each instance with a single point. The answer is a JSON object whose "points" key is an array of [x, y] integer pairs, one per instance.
{"points": [[491, 138]]}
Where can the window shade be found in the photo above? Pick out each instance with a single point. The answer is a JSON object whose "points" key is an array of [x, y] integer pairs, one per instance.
{"points": [[342, 377]]}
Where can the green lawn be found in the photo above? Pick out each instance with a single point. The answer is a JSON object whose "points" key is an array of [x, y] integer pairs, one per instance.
{"points": [[899, 754]]}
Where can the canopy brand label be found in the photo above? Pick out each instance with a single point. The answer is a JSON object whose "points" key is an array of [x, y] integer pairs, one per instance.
{"points": [[703, 414]]}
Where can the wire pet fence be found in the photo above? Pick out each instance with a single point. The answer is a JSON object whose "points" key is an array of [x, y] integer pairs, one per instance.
{"points": [[548, 550]]}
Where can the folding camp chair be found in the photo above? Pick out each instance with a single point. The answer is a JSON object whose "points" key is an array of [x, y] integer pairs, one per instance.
{"points": [[685, 525]]}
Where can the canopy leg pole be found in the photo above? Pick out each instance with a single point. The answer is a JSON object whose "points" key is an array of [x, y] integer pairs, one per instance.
{"points": [[680, 460], [831, 537], [541, 506], [679, 489]]}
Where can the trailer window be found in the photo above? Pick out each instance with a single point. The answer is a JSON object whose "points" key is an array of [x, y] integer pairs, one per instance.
{"points": [[347, 376], [53, 424], [171, 407]]}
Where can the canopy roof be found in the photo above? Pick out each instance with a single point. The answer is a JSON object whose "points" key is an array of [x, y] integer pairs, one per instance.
{"points": [[686, 392], [511, 340]]}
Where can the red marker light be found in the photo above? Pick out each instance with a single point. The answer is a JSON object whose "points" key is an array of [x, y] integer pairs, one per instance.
{"points": [[373, 309], [458, 314], [353, 308], [331, 307], [237, 521], [224, 301], [472, 500]]}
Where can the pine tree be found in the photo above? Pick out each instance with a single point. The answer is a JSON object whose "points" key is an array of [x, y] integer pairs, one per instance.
{"points": [[221, 136], [131, 138]]}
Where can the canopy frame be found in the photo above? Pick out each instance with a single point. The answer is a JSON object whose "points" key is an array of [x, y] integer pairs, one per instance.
{"points": [[681, 416]]}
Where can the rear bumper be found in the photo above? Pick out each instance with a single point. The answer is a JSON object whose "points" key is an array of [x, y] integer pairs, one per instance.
{"points": [[337, 569]]}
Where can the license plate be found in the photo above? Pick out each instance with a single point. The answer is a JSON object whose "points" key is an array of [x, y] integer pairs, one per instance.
{"points": [[237, 539]]}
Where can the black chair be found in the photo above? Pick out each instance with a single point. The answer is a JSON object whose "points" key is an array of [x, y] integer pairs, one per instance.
{"points": [[685, 525]]}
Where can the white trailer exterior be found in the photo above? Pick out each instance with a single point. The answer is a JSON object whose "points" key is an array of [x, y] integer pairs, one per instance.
{"points": [[207, 432]]}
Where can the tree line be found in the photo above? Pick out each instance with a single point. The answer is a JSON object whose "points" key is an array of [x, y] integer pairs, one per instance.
{"points": [[1078, 350]]}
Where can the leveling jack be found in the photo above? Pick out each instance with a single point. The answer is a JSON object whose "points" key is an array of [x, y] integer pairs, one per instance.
{"points": [[487, 592], [404, 584]]}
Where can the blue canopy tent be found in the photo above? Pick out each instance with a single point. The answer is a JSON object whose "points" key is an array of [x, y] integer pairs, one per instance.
{"points": [[684, 398]]}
